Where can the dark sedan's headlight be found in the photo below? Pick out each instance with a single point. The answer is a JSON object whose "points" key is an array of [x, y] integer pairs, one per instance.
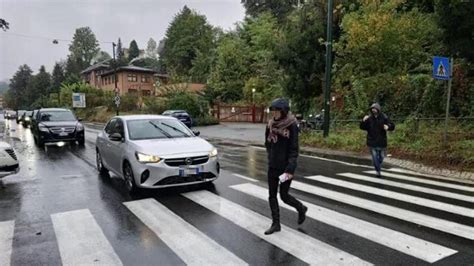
{"points": [[79, 127], [43, 128]]}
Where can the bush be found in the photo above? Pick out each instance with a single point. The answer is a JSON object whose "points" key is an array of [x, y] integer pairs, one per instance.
{"points": [[206, 121], [155, 105], [196, 106]]}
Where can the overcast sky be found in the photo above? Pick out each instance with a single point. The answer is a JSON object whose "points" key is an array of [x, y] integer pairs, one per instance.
{"points": [[108, 19]]}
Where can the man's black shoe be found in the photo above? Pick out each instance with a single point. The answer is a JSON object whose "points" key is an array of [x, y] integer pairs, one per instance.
{"points": [[302, 215], [274, 228]]}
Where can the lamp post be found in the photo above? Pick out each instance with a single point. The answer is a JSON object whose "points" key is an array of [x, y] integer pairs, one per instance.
{"points": [[327, 90], [116, 90], [253, 95]]}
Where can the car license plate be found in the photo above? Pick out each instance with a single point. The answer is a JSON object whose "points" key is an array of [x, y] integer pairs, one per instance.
{"points": [[188, 171], [63, 134]]}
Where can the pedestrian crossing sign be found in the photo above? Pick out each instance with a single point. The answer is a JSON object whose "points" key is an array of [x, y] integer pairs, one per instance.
{"points": [[441, 68]]}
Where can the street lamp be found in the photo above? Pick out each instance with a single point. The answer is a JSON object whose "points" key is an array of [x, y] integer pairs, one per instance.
{"points": [[253, 95], [327, 90]]}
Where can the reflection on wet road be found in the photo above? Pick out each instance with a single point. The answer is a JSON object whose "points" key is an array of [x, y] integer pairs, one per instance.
{"points": [[59, 210]]}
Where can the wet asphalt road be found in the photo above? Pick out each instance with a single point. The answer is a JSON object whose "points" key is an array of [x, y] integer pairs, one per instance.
{"points": [[57, 180]]}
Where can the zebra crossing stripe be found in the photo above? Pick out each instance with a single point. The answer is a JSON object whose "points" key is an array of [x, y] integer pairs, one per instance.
{"points": [[469, 212], [292, 241], [425, 181], [411, 172], [246, 178], [410, 187], [190, 244], [6, 240], [404, 243], [457, 229], [81, 240]]}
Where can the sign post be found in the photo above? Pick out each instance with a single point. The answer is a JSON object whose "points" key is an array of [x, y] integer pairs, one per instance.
{"points": [[443, 70], [117, 100], [79, 100]]}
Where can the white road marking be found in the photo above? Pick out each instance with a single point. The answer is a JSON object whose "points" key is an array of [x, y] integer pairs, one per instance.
{"points": [[190, 244], [426, 181], [404, 243], [397, 196], [460, 230], [6, 241], [292, 241], [246, 178], [410, 187], [81, 240]]}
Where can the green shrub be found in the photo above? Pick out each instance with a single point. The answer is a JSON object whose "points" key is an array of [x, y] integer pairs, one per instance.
{"points": [[195, 105], [206, 121], [155, 105]]}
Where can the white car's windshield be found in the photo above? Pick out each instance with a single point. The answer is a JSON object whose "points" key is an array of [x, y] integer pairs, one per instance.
{"points": [[57, 116], [156, 129]]}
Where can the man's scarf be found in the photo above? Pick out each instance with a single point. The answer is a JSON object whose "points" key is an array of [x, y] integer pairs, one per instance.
{"points": [[280, 127]]}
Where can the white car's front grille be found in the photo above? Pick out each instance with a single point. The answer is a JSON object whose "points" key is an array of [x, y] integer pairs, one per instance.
{"points": [[187, 161]]}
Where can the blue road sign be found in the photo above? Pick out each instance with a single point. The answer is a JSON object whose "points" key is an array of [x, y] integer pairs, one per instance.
{"points": [[441, 68]]}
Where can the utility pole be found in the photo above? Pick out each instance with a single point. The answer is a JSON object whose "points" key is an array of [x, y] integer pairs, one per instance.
{"points": [[327, 90]]}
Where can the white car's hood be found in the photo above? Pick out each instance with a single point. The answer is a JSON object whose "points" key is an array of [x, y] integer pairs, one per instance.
{"points": [[172, 147]]}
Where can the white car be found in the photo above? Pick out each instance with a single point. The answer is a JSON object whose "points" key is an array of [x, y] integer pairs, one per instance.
{"points": [[8, 161], [151, 151]]}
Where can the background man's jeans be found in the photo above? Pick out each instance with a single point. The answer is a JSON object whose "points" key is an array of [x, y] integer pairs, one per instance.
{"points": [[378, 154]]}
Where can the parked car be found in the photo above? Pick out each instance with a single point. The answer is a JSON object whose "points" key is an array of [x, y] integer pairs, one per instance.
{"points": [[19, 114], [54, 125], [8, 160], [152, 151], [181, 115], [10, 114], [25, 118]]}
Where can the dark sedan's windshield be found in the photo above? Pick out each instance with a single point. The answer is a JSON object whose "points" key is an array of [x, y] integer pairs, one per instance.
{"points": [[156, 129], [57, 116]]}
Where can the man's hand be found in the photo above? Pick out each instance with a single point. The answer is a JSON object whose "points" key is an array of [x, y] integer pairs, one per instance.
{"points": [[385, 127], [366, 117], [290, 176]]}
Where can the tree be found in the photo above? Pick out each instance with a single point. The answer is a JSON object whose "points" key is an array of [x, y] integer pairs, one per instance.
{"points": [[4, 25], [84, 47], [278, 8], [230, 70], [301, 56], [119, 55], [38, 88], [456, 19], [384, 55], [152, 49], [133, 51], [18, 98], [101, 57], [57, 78], [188, 34]]}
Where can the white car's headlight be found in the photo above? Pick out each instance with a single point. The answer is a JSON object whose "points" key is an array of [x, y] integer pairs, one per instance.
{"points": [[213, 153], [27, 118], [145, 158]]}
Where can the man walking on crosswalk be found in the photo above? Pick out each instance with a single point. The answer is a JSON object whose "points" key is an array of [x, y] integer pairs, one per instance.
{"points": [[377, 124], [281, 142]]}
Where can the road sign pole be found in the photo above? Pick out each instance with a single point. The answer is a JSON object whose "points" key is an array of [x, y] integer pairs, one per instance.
{"points": [[327, 90], [450, 81]]}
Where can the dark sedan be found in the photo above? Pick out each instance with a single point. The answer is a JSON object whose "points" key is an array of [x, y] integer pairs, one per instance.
{"points": [[181, 115], [56, 125]]}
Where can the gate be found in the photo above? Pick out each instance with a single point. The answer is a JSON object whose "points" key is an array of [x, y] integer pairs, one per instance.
{"points": [[240, 113]]}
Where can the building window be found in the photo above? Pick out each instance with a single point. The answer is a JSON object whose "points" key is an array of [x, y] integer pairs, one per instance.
{"points": [[145, 79], [132, 91], [132, 77], [146, 92]]}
